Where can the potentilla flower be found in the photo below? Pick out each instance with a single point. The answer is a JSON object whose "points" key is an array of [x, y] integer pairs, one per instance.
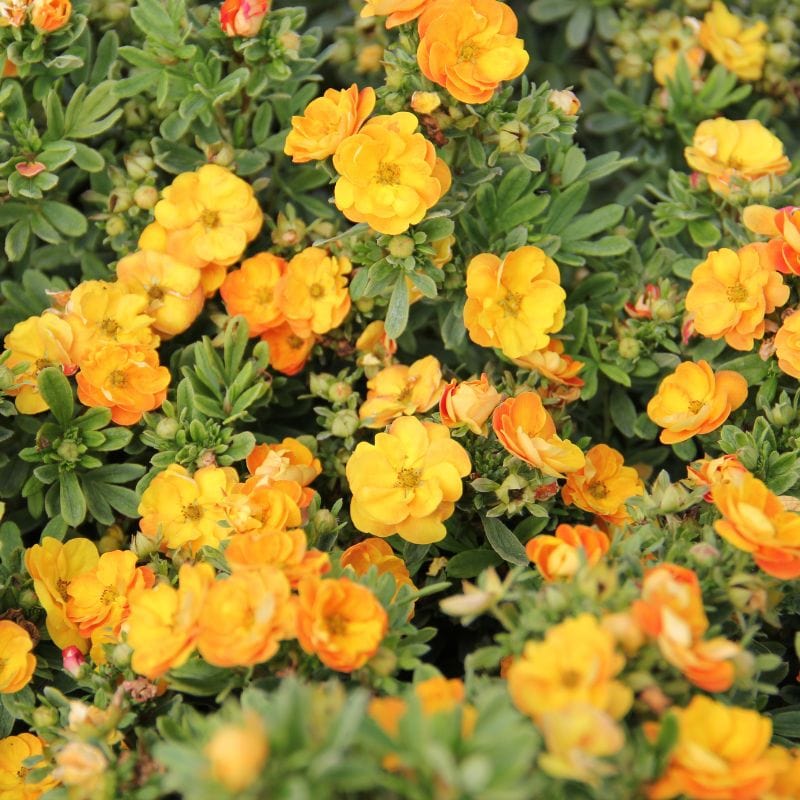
{"points": [[18, 662], [80, 764], [288, 352], [340, 622], [741, 151], [251, 508], [560, 556], [708, 472], [528, 432], [603, 485], [694, 400], [397, 12], [675, 44], [237, 753], [469, 403], [740, 50], [514, 303], [787, 773], [287, 461], [407, 482], [400, 390], [721, 753], [470, 47], [374, 552], [756, 521], [14, 752], [642, 307], [732, 291], [390, 174], [783, 225], [565, 101], [252, 292], [243, 17], [787, 345], [327, 122], [375, 348], [50, 15], [13, 12]]}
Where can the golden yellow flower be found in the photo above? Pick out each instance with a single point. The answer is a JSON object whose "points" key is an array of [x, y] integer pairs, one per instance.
{"points": [[250, 508], [787, 345], [782, 225], [560, 556], [397, 12], [425, 102], [389, 174], [400, 390], [327, 122], [14, 751], [53, 565], [672, 49], [694, 400], [18, 662], [514, 304], [554, 365], [378, 553], [740, 50], [576, 663], [470, 47], [786, 764], [236, 753], [407, 482], [469, 403], [731, 152], [708, 472]]}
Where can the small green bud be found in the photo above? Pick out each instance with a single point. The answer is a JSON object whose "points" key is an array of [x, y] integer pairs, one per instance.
{"points": [[121, 199], [68, 451], [28, 600], [339, 392], [383, 663], [115, 225], [345, 423], [663, 310], [629, 348], [45, 717], [121, 655], [7, 378], [138, 165], [167, 428], [365, 304], [401, 246], [782, 413], [320, 383], [324, 522], [146, 197]]}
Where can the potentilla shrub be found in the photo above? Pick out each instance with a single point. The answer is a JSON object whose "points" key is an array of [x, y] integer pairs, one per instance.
{"points": [[399, 399]]}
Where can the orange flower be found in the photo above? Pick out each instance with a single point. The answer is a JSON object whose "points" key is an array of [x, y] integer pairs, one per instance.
{"points": [[469, 403], [249, 507], [787, 774], [237, 753], [400, 390], [754, 520], [603, 485], [709, 472], [397, 12], [288, 352], [18, 662], [470, 47], [290, 460], [340, 622], [787, 345], [707, 664], [527, 431], [783, 225], [552, 363], [375, 348], [732, 291], [126, 379], [559, 556], [50, 15], [694, 400], [243, 17], [378, 553], [327, 122], [252, 292]]}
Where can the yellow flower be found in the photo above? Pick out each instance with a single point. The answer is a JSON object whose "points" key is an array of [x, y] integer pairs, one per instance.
{"points": [[469, 403], [186, 511], [14, 751], [676, 44], [53, 565], [397, 12], [327, 122], [236, 753], [708, 472], [39, 342], [734, 152], [721, 754], [554, 365], [245, 617], [18, 662], [514, 304], [694, 400], [400, 390], [560, 556], [576, 663], [425, 102], [378, 553], [286, 461], [787, 774], [370, 58], [787, 345], [81, 765], [407, 482], [732, 291], [163, 624], [390, 175], [218, 209], [740, 50]]}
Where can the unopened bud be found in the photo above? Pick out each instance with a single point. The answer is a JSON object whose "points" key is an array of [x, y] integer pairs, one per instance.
{"points": [[7, 378], [167, 428], [146, 197], [339, 392], [73, 660], [120, 199], [115, 225], [45, 717], [704, 553], [68, 451], [345, 423], [324, 522], [663, 310], [401, 246], [138, 165], [383, 663], [629, 348]]}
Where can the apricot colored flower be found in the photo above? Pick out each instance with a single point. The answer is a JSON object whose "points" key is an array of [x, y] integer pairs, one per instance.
{"points": [[407, 482], [243, 17], [13, 13], [172, 289], [469, 47], [390, 175], [560, 556], [740, 50], [245, 617], [400, 390], [694, 400], [98, 599], [378, 553], [397, 12], [327, 122], [53, 565], [721, 754], [553, 364], [186, 511], [783, 225], [528, 432], [787, 345], [18, 662], [251, 508], [39, 342], [755, 520], [81, 765], [375, 348], [14, 751], [708, 664], [514, 304], [50, 15], [288, 352], [732, 291], [287, 461], [340, 622], [787, 773], [575, 663], [313, 293], [127, 379], [565, 101], [708, 472], [252, 292], [728, 151], [603, 485], [237, 753], [164, 622], [218, 209], [469, 403]]}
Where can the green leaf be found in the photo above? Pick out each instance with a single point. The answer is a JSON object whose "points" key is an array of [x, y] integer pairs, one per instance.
{"points": [[623, 411], [587, 225], [397, 312], [87, 158], [64, 218], [71, 499], [17, 240], [579, 25], [704, 233], [503, 542], [470, 563], [574, 162], [614, 372], [551, 10], [602, 248], [686, 451], [57, 393]]}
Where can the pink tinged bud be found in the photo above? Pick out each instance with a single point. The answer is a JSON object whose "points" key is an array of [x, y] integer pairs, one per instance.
{"points": [[30, 169], [73, 660], [687, 330], [243, 17]]}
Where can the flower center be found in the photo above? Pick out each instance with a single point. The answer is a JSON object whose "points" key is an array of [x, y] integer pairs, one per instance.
{"points": [[316, 290], [42, 363], [155, 292], [294, 342], [62, 586], [570, 678], [209, 219], [388, 174], [695, 406], [265, 296], [737, 293], [108, 596], [511, 304], [192, 512], [598, 490], [336, 624], [117, 378], [469, 52], [408, 478], [109, 327]]}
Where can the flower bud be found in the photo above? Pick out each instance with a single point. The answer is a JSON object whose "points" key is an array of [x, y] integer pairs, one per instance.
{"points": [[629, 348], [143, 546], [401, 246], [167, 428], [663, 310], [115, 225], [68, 451], [45, 717], [564, 101], [121, 199], [243, 17], [138, 165], [513, 137], [704, 553], [28, 600], [782, 413], [221, 154], [345, 423], [50, 15], [7, 378], [237, 753], [73, 660], [383, 663], [112, 539], [80, 765], [425, 102], [339, 392], [469, 403], [324, 522], [121, 655], [369, 58], [146, 197]]}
